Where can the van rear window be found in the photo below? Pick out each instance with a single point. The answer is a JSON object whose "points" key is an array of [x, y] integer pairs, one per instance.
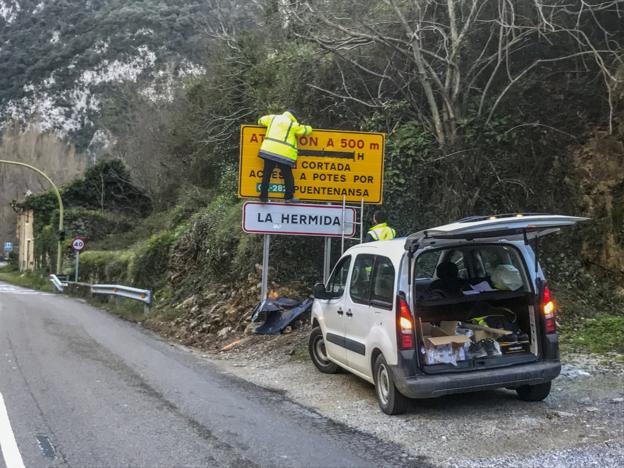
{"points": [[468, 270]]}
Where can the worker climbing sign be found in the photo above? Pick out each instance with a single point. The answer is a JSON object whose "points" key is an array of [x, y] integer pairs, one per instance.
{"points": [[331, 165]]}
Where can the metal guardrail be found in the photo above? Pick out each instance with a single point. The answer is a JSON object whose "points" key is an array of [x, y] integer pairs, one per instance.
{"points": [[141, 295], [57, 283]]}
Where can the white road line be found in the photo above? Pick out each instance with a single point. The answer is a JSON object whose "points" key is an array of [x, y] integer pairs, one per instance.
{"points": [[15, 290], [10, 452]]}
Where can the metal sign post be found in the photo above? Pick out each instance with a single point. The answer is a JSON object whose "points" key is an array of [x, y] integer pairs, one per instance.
{"points": [[362, 221], [77, 264], [78, 245], [265, 267], [327, 259], [342, 238]]}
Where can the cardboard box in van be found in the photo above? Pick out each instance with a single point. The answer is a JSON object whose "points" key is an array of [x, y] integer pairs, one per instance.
{"points": [[442, 346], [459, 340], [481, 332]]}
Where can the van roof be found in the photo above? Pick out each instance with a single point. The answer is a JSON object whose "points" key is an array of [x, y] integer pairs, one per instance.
{"points": [[393, 249]]}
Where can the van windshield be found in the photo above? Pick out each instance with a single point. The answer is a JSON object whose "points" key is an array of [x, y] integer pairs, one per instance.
{"points": [[469, 270]]}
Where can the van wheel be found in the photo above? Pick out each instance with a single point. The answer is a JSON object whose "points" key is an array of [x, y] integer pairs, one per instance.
{"points": [[390, 400], [318, 353], [534, 392]]}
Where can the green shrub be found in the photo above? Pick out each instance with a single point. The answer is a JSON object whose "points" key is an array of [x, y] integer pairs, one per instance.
{"points": [[28, 279], [13, 259], [149, 266], [602, 334], [105, 266], [140, 230], [94, 224]]}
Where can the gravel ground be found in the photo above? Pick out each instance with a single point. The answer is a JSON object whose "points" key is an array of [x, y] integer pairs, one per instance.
{"points": [[581, 423]]}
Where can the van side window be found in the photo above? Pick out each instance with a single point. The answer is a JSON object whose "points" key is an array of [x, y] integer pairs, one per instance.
{"points": [[457, 257], [503, 267], [426, 264], [383, 283], [359, 288], [338, 279]]}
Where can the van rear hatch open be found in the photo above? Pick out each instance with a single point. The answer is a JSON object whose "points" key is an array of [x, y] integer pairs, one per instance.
{"points": [[481, 289], [509, 227]]}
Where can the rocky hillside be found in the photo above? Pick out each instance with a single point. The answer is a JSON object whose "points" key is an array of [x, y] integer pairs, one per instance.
{"points": [[61, 59]]}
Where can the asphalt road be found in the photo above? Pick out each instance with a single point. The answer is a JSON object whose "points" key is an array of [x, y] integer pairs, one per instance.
{"points": [[83, 388]]}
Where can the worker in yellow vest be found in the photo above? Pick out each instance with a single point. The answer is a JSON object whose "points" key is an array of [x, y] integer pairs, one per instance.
{"points": [[279, 148], [381, 230]]}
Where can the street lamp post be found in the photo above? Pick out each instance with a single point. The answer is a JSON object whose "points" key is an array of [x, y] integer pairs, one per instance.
{"points": [[59, 253]]}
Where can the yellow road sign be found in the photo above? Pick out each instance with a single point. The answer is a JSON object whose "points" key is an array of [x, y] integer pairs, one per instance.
{"points": [[331, 164]]}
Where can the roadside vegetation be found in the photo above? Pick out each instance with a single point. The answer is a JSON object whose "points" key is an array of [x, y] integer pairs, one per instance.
{"points": [[32, 280], [489, 110], [600, 334]]}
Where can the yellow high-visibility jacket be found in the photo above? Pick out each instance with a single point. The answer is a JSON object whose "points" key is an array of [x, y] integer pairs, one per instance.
{"points": [[382, 232], [280, 141]]}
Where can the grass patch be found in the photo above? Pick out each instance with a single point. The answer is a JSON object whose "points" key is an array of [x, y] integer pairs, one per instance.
{"points": [[29, 279], [126, 309], [600, 334]]}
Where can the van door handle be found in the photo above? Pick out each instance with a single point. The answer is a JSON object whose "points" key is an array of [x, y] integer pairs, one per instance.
{"points": [[339, 312], [349, 313]]}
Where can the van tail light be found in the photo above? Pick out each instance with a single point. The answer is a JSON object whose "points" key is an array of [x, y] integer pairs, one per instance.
{"points": [[549, 310], [405, 325]]}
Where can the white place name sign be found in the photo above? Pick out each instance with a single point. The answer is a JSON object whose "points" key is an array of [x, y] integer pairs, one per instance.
{"points": [[298, 219]]}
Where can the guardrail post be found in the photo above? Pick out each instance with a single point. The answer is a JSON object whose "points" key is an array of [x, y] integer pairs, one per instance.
{"points": [[265, 267]]}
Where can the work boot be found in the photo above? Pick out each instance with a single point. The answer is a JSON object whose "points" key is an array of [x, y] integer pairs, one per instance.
{"points": [[477, 350], [291, 200], [491, 347], [264, 200], [510, 338]]}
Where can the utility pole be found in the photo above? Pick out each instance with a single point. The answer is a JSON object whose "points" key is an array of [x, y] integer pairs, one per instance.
{"points": [[59, 253]]}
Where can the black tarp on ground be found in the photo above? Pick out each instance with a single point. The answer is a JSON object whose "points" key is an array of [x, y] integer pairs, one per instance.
{"points": [[278, 314]]}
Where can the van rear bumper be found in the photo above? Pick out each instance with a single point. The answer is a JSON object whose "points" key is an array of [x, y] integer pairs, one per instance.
{"points": [[429, 386]]}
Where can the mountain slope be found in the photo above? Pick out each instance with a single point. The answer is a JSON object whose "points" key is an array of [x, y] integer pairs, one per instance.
{"points": [[60, 58]]}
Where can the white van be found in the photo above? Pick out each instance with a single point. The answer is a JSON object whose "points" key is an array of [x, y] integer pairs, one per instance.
{"points": [[457, 308]]}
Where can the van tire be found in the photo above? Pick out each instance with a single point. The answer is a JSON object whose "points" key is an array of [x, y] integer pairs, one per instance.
{"points": [[534, 392], [318, 354], [390, 400]]}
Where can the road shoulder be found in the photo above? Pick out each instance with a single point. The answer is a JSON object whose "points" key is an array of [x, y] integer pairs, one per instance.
{"points": [[583, 415]]}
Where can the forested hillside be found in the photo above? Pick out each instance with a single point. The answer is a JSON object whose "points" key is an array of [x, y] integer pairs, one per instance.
{"points": [[489, 107], [61, 60], [65, 62]]}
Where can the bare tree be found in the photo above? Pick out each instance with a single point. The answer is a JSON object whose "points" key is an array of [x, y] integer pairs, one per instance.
{"points": [[442, 56], [47, 152]]}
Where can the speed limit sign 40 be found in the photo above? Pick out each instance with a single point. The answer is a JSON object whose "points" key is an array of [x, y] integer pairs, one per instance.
{"points": [[78, 244]]}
